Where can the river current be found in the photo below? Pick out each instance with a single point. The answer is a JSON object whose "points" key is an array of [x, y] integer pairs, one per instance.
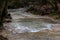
{"points": [[26, 22]]}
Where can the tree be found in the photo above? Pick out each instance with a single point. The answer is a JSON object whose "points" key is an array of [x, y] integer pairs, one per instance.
{"points": [[53, 3], [3, 10]]}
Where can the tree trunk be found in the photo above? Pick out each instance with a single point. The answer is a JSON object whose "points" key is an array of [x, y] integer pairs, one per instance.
{"points": [[3, 10], [56, 7]]}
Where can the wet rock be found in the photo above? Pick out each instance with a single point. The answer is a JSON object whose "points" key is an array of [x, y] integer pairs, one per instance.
{"points": [[9, 16], [3, 38]]}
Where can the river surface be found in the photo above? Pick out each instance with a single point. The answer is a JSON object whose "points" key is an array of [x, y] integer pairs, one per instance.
{"points": [[26, 26], [26, 22]]}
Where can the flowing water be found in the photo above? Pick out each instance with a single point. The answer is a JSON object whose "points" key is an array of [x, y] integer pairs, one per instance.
{"points": [[26, 22], [26, 26]]}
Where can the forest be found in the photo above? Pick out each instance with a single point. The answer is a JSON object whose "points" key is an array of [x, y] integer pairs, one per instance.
{"points": [[44, 8], [38, 7]]}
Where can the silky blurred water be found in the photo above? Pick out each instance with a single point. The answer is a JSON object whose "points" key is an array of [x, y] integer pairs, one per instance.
{"points": [[26, 22]]}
